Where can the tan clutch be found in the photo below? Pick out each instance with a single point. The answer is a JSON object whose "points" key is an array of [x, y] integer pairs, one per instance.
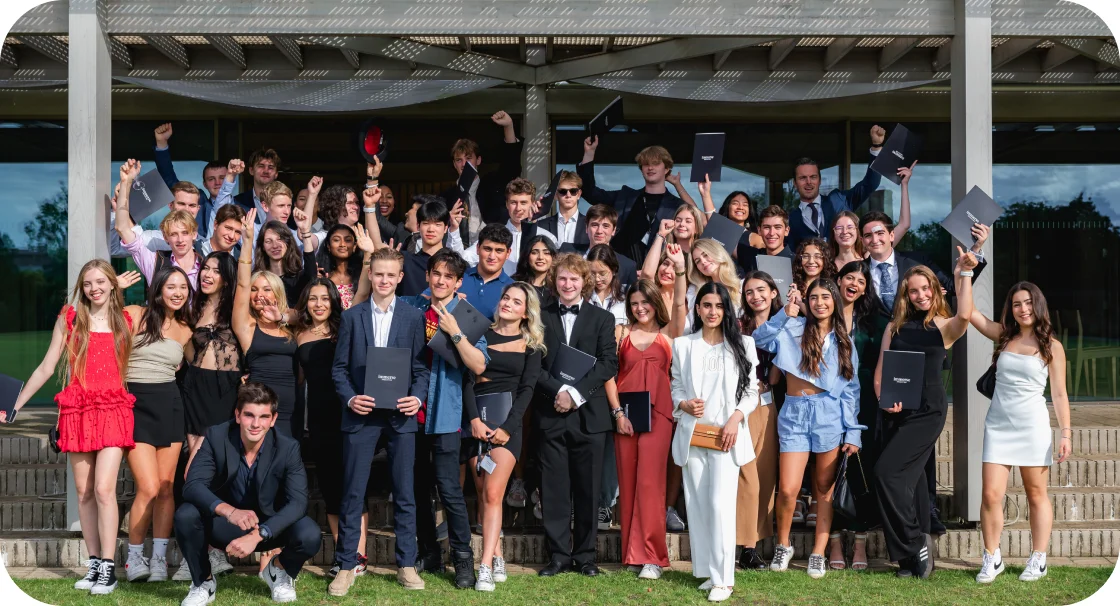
{"points": [[706, 436]]}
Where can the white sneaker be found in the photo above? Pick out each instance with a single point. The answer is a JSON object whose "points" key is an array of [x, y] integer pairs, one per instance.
{"points": [[816, 568], [650, 572], [706, 585], [516, 496], [219, 563], [279, 582], [719, 594], [782, 556], [537, 512], [200, 595], [136, 568], [485, 580], [499, 570], [184, 572], [158, 566], [991, 567], [86, 582], [106, 579], [1036, 567]]}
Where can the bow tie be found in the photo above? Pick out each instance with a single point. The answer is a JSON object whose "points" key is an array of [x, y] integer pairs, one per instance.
{"points": [[566, 309]]}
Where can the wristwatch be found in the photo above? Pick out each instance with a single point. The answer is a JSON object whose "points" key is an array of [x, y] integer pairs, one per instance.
{"points": [[617, 412], [455, 338], [264, 531]]}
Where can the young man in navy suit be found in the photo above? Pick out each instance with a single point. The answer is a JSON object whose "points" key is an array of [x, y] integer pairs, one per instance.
{"points": [[814, 213], [382, 321]]}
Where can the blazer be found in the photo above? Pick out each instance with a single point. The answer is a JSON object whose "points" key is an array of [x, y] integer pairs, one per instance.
{"points": [[491, 193], [623, 199], [911, 259], [355, 334], [245, 201], [279, 475], [593, 332], [835, 202], [551, 224], [685, 385]]}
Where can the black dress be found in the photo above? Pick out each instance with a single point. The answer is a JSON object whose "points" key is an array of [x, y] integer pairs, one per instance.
{"points": [[272, 361], [909, 438], [514, 372], [210, 395]]}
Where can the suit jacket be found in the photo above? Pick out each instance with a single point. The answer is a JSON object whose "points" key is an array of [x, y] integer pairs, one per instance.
{"points": [[491, 193], [623, 201], [593, 333], [551, 224], [355, 334], [832, 204], [911, 259], [245, 201], [687, 374], [205, 204], [278, 473]]}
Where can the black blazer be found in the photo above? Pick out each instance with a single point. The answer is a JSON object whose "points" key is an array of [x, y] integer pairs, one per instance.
{"points": [[593, 333], [245, 201], [279, 475], [355, 334], [551, 224], [491, 192], [623, 200], [911, 259]]}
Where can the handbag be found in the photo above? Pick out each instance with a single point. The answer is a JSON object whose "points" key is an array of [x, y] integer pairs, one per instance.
{"points": [[52, 439], [986, 384], [706, 436], [843, 497]]}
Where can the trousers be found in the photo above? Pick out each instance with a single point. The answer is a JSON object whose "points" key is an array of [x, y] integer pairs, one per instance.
{"points": [[757, 480], [357, 455], [710, 489], [641, 463], [437, 465], [909, 438]]}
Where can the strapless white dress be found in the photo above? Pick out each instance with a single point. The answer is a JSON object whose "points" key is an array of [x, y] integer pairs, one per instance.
{"points": [[1017, 428]]}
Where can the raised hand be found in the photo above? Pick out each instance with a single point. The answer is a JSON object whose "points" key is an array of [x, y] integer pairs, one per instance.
{"points": [[906, 173], [163, 133], [878, 135], [536, 207], [235, 167], [447, 322], [591, 144], [303, 221], [966, 261], [981, 233], [127, 279], [676, 255], [247, 225], [666, 227], [371, 196], [705, 186], [502, 119], [457, 214], [373, 170], [361, 237], [794, 298], [314, 186], [270, 312], [674, 178], [129, 171]]}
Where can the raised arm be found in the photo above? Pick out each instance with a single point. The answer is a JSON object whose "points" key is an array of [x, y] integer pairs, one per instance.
{"points": [[986, 327], [163, 155], [243, 323], [314, 186], [682, 193], [871, 180], [365, 244], [653, 258], [903, 224], [705, 188], [679, 314], [129, 171], [45, 369], [586, 171], [225, 192], [370, 197], [958, 324]]}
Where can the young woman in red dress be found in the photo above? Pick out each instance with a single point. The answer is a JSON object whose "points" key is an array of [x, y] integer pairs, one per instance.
{"points": [[95, 420]]}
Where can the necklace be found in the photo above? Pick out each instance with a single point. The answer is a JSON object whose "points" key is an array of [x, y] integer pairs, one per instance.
{"points": [[323, 330]]}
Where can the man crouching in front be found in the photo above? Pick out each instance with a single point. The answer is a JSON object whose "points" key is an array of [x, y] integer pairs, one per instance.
{"points": [[246, 491]]}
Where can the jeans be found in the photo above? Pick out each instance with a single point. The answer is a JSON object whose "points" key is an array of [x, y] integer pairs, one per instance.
{"points": [[437, 464]]}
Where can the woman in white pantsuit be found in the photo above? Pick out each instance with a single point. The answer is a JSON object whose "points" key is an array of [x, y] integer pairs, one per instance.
{"points": [[1017, 427], [713, 383]]}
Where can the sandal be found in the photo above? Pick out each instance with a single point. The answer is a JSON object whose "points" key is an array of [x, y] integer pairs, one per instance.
{"points": [[837, 564], [860, 539], [799, 512]]}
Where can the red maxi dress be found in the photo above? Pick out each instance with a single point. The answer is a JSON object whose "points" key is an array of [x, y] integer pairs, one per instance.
{"points": [[641, 459], [95, 413]]}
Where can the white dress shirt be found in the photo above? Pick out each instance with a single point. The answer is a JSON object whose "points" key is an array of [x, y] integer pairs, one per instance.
{"points": [[617, 308], [875, 271], [382, 320], [807, 214], [567, 228], [568, 321]]}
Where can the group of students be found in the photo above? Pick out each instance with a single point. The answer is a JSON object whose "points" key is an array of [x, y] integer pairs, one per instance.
{"points": [[753, 402]]}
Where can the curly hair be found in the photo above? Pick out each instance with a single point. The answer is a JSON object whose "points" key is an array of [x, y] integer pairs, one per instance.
{"points": [[828, 267], [576, 264], [332, 204]]}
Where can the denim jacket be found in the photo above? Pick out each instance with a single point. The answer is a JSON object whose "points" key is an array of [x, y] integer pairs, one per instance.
{"points": [[444, 407], [781, 336]]}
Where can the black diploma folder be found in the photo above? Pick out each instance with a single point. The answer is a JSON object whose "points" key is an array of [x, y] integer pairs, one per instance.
{"points": [[975, 207], [725, 231], [388, 375], [549, 197], [780, 269], [707, 157], [903, 376], [610, 117], [899, 150], [9, 392], [638, 409], [473, 325], [571, 365], [149, 193], [466, 179], [493, 409]]}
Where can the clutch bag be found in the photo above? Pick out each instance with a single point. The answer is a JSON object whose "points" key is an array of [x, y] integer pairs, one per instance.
{"points": [[706, 436]]}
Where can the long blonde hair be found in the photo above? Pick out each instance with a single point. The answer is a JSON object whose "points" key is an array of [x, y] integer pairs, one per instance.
{"points": [[278, 291], [77, 341], [905, 310], [726, 275], [697, 218], [532, 328]]}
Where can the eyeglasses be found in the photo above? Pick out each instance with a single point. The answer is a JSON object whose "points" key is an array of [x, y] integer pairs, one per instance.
{"points": [[843, 229], [567, 192], [812, 257]]}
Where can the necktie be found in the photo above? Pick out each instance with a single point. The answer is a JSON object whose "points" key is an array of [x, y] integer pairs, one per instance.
{"points": [[572, 309], [887, 285], [816, 217]]}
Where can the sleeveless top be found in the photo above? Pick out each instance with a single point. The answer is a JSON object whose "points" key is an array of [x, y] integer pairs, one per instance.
{"points": [[227, 352], [647, 370], [271, 360], [915, 336], [155, 362]]}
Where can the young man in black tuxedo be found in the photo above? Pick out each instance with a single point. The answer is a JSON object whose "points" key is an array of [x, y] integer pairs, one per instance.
{"points": [[573, 420], [246, 491]]}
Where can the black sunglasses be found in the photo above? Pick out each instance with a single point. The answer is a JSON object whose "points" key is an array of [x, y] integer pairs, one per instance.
{"points": [[567, 192]]}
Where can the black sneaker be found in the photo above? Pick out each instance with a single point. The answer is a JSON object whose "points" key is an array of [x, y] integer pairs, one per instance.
{"points": [[464, 569], [604, 518], [749, 559], [922, 564], [106, 578], [87, 582], [431, 562], [936, 527]]}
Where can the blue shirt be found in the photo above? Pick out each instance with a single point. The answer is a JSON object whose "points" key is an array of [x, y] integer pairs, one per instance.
{"points": [[484, 296], [243, 489], [781, 336]]}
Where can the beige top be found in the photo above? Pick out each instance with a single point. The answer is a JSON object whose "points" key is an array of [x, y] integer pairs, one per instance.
{"points": [[154, 362]]}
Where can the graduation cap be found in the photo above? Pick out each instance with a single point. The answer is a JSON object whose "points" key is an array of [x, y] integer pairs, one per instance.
{"points": [[900, 150], [607, 119], [371, 141], [149, 194], [975, 207]]}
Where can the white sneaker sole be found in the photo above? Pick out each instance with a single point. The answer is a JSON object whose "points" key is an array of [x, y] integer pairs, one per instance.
{"points": [[139, 576], [480, 586], [649, 577], [1031, 579], [817, 574], [102, 589]]}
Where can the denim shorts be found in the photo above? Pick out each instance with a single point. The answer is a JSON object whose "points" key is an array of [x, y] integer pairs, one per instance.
{"points": [[810, 423]]}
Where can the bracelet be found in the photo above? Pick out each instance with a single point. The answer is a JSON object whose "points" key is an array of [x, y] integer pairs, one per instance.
{"points": [[369, 210], [366, 262], [617, 412], [244, 261], [305, 234], [679, 273], [967, 273]]}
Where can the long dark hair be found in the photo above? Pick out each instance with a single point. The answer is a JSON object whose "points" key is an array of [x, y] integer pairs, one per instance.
{"points": [[866, 307], [752, 214], [775, 305], [812, 341], [304, 319], [827, 266], [524, 272], [328, 262], [292, 263], [227, 271], [1043, 332], [604, 254], [732, 336], [151, 325]]}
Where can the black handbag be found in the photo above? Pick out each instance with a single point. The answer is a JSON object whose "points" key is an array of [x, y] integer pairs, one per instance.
{"points": [[843, 497], [52, 439], [986, 384]]}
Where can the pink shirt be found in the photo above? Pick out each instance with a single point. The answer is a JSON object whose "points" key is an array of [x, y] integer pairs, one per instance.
{"points": [[145, 259]]}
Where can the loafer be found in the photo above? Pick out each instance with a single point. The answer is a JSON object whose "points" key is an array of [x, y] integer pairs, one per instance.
{"points": [[554, 568]]}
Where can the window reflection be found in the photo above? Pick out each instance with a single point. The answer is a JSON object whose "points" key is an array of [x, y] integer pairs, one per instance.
{"points": [[614, 176]]}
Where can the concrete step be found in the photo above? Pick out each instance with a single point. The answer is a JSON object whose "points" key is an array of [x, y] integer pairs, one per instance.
{"points": [[1086, 440], [1069, 505], [1086, 471]]}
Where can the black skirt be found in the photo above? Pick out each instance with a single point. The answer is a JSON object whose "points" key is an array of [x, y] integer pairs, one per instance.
{"points": [[209, 397], [159, 414]]}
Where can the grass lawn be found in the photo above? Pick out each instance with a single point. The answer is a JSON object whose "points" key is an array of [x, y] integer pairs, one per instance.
{"points": [[21, 353], [1062, 586]]}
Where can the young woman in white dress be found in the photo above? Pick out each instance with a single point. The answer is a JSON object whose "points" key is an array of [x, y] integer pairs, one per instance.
{"points": [[1017, 428]]}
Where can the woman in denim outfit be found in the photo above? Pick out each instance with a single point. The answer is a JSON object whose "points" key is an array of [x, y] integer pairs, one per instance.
{"points": [[822, 403]]}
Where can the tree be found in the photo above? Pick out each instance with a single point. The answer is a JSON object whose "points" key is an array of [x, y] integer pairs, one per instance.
{"points": [[48, 230]]}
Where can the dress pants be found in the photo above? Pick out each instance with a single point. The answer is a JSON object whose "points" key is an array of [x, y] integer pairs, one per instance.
{"points": [[437, 465], [709, 495], [358, 449], [900, 478], [571, 474], [641, 463], [195, 531], [754, 511]]}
